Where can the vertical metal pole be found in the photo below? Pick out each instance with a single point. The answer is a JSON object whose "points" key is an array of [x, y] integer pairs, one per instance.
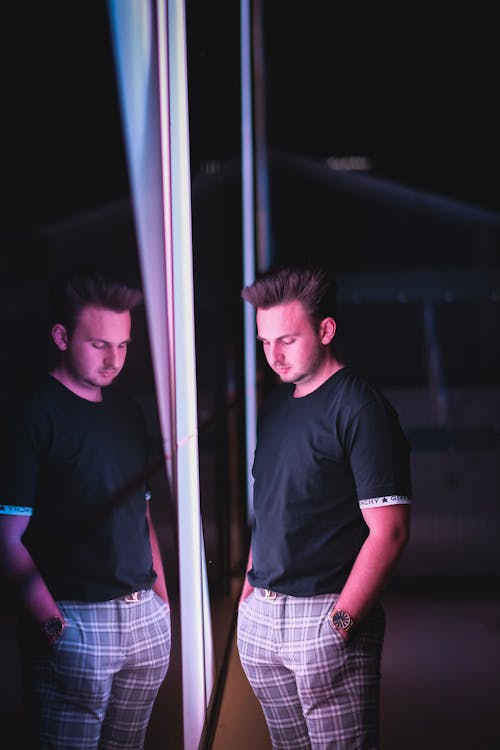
{"points": [[248, 214], [263, 213], [437, 385]]}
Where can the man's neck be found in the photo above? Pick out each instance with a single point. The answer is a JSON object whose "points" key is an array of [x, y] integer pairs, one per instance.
{"points": [[80, 389], [329, 367]]}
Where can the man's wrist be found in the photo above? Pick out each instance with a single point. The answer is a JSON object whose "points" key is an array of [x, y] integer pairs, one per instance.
{"points": [[342, 621], [245, 592], [53, 628]]}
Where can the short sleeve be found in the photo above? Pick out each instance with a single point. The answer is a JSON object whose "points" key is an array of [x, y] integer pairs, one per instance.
{"points": [[20, 461], [379, 452]]}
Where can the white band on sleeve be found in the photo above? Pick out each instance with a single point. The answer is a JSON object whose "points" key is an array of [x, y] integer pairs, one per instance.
{"points": [[377, 502], [16, 510]]}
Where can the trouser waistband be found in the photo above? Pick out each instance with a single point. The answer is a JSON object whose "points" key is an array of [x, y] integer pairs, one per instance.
{"points": [[135, 596], [268, 594]]}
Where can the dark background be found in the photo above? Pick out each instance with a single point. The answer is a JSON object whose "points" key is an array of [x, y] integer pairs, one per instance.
{"points": [[416, 240], [415, 91]]}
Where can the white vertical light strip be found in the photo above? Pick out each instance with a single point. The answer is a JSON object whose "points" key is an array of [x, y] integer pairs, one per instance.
{"points": [[163, 99], [196, 634], [134, 46], [248, 214], [160, 186]]}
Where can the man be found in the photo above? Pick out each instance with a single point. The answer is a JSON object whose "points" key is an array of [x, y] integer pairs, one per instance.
{"points": [[331, 518], [76, 537]]}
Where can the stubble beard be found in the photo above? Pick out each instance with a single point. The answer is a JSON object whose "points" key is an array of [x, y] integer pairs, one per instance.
{"points": [[94, 381], [298, 377]]}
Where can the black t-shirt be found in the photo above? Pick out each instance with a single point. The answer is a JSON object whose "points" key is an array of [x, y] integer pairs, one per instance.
{"points": [[80, 466], [316, 458]]}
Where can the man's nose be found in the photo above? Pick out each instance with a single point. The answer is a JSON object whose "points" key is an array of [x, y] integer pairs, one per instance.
{"points": [[276, 353], [112, 357]]}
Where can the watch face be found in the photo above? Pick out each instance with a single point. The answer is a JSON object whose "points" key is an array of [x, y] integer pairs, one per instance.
{"points": [[53, 628], [341, 620]]}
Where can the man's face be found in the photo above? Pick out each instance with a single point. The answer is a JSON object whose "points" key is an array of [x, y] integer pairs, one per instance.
{"points": [[94, 354], [293, 349]]}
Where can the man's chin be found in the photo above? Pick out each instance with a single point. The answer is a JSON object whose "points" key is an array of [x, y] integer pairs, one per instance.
{"points": [[101, 381], [106, 376]]}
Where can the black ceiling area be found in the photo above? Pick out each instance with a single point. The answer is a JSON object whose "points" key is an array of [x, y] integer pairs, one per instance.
{"points": [[413, 94]]}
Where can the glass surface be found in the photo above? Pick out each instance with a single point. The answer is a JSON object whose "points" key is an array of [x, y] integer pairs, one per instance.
{"points": [[380, 141]]}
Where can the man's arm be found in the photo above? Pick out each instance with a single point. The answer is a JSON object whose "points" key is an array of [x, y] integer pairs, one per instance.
{"points": [[247, 587], [159, 586], [389, 532], [22, 574]]}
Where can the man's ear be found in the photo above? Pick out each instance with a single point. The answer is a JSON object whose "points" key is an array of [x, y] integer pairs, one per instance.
{"points": [[327, 330], [60, 336]]}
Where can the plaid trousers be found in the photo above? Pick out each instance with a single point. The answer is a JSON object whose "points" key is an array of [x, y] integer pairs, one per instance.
{"points": [[317, 691], [95, 688]]}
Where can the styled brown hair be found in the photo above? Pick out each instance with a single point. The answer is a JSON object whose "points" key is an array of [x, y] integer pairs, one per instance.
{"points": [[315, 288], [81, 289]]}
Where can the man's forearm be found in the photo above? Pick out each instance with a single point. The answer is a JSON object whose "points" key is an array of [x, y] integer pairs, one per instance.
{"points": [[27, 583], [371, 571], [247, 587], [159, 586]]}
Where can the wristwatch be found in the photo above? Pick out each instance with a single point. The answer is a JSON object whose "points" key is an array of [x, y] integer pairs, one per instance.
{"points": [[53, 628], [341, 620]]}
